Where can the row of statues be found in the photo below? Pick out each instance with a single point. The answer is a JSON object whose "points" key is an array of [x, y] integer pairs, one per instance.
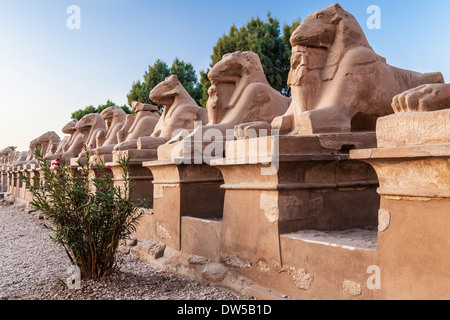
{"points": [[339, 85]]}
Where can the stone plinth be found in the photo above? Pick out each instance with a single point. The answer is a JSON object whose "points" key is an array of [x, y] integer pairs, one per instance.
{"points": [[412, 162], [279, 185], [140, 177], [183, 190]]}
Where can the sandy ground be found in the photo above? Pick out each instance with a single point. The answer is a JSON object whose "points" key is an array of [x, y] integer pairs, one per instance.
{"points": [[32, 267]]}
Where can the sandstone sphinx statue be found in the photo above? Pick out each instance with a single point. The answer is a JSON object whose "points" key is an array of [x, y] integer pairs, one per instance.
{"points": [[339, 84], [90, 127], [240, 93], [9, 156], [141, 124], [180, 112], [115, 119], [65, 145], [47, 143]]}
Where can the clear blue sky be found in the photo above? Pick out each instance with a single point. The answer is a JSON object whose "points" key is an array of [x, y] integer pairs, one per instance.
{"points": [[48, 71]]}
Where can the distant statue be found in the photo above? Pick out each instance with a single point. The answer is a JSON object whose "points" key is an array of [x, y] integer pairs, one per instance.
{"points": [[90, 126], [114, 118], [47, 144], [9, 156], [339, 84], [67, 141], [141, 124]]}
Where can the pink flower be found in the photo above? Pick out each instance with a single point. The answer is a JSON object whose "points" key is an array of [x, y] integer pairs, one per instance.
{"points": [[109, 167]]}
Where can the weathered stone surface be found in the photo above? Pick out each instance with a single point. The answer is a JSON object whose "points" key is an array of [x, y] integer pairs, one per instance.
{"points": [[428, 97], [162, 232], [301, 279], [384, 219], [235, 261], [153, 248], [214, 272], [131, 241], [197, 260], [414, 129], [351, 288]]}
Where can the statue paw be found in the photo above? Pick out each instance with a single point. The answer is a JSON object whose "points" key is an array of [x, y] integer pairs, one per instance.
{"points": [[252, 130], [428, 97]]}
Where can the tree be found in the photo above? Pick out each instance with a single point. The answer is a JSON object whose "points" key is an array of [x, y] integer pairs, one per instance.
{"points": [[91, 109], [266, 40], [157, 73]]}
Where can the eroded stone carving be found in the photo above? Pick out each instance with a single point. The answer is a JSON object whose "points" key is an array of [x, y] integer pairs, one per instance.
{"points": [[339, 84]]}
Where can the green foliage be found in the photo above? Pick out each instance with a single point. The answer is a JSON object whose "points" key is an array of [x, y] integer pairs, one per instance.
{"points": [[157, 73], [91, 109], [266, 40], [88, 215]]}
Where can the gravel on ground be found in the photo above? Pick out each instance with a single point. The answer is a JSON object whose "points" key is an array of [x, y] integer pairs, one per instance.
{"points": [[33, 267]]}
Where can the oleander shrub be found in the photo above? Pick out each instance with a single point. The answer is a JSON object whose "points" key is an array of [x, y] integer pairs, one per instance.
{"points": [[87, 214]]}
